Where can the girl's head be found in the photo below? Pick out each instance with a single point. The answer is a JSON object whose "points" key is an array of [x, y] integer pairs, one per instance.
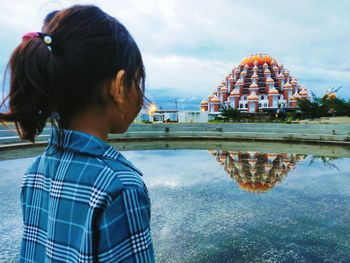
{"points": [[92, 61]]}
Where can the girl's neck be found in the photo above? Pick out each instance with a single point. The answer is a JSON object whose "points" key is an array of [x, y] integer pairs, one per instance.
{"points": [[90, 122]]}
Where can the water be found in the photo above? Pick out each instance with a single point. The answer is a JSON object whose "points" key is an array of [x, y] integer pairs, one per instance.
{"points": [[226, 206]]}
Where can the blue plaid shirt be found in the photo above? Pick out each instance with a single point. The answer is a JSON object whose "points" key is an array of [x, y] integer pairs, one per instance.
{"points": [[83, 201]]}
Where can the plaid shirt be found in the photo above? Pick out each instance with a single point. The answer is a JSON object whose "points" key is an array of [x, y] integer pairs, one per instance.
{"points": [[82, 201]]}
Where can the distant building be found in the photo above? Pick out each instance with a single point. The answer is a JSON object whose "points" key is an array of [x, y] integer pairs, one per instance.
{"points": [[258, 83], [164, 116], [175, 116], [195, 116]]}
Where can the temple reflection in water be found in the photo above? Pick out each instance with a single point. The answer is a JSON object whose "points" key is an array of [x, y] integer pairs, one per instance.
{"points": [[255, 171]]}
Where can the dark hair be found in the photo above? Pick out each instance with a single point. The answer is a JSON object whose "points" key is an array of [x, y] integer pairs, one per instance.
{"points": [[88, 48]]}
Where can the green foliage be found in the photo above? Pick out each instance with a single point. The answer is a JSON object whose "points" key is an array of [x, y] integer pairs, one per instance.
{"points": [[324, 107], [289, 116], [312, 109], [216, 121], [146, 122], [229, 113], [337, 107]]}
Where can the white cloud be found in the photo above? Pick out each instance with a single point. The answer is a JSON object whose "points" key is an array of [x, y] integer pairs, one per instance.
{"points": [[185, 73], [192, 45]]}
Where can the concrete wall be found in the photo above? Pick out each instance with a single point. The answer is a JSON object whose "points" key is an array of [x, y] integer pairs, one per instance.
{"points": [[337, 133], [251, 131], [192, 117]]}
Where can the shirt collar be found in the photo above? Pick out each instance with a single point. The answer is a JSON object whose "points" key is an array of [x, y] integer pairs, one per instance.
{"points": [[81, 142]]}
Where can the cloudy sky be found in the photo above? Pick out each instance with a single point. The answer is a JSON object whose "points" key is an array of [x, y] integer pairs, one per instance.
{"points": [[190, 46]]}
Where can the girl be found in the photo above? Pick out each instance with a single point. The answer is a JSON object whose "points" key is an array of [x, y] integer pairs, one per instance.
{"points": [[82, 201]]}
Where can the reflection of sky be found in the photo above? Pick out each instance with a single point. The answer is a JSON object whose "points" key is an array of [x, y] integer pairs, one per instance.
{"points": [[178, 168], [199, 214], [11, 173], [318, 178], [185, 168]]}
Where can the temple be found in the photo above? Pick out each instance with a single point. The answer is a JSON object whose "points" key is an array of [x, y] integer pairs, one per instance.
{"points": [[258, 83], [257, 172]]}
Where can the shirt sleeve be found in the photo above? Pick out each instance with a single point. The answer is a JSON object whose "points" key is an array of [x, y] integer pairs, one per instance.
{"points": [[124, 229]]}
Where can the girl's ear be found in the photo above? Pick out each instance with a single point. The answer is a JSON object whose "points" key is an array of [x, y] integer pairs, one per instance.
{"points": [[117, 88]]}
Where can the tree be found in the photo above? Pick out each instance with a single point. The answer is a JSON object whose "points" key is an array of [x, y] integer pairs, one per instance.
{"points": [[325, 106], [312, 108], [337, 107], [230, 113]]}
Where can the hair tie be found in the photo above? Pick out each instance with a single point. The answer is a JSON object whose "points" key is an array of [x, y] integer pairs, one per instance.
{"points": [[45, 37], [30, 35]]}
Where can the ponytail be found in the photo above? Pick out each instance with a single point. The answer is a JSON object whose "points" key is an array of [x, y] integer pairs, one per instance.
{"points": [[64, 69], [29, 97]]}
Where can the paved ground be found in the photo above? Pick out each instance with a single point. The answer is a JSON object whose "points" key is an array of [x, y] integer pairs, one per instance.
{"points": [[330, 120]]}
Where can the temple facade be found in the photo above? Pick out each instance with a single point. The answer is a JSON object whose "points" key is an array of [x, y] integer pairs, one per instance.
{"points": [[258, 83]]}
